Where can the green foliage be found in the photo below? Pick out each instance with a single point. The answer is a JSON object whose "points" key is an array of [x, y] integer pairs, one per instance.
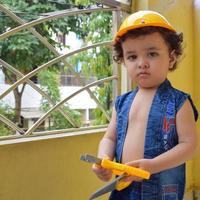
{"points": [[49, 81], [105, 97], [25, 52], [6, 111], [61, 123], [98, 61]]}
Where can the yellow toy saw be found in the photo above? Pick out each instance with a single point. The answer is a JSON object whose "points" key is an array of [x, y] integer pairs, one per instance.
{"points": [[119, 169]]}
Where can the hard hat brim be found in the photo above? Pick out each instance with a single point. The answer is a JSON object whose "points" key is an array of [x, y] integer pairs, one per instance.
{"points": [[143, 19], [125, 30]]}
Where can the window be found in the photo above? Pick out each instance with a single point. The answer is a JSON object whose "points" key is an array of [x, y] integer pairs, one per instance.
{"points": [[35, 57]]}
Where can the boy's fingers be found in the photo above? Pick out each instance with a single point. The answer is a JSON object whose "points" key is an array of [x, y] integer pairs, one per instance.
{"points": [[104, 175], [96, 166], [135, 163]]}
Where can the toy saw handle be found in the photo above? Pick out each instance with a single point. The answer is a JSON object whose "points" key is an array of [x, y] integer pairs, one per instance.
{"points": [[119, 169]]}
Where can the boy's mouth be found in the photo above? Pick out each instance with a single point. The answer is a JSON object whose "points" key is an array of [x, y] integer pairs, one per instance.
{"points": [[143, 74]]}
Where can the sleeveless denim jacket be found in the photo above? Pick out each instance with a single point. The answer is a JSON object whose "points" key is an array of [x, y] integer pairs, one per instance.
{"points": [[161, 135]]}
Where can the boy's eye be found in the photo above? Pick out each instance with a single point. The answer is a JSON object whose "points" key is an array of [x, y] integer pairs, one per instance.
{"points": [[131, 57], [153, 54]]}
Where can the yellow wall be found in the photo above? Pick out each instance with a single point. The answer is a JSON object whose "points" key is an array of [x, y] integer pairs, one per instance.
{"points": [[185, 17], [48, 169], [197, 78]]}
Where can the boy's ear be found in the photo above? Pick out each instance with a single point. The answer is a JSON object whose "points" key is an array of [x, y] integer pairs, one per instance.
{"points": [[172, 59]]}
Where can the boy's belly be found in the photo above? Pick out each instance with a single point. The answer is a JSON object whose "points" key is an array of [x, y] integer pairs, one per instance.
{"points": [[133, 148]]}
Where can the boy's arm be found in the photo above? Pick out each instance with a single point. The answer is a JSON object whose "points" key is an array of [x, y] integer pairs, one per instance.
{"points": [[183, 151], [107, 149], [185, 124], [107, 144]]}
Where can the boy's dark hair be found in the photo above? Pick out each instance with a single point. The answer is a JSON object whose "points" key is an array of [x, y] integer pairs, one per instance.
{"points": [[172, 39]]}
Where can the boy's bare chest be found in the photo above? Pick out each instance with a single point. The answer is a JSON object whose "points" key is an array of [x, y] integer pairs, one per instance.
{"points": [[137, 123], [140, 108]]}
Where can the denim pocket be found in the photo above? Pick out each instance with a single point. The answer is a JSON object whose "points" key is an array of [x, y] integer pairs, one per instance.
{"points": [[150, 190], [170, 192]]}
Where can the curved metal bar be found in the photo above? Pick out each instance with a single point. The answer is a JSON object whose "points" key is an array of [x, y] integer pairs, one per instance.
{"points": [[51, 62], [39, 121], [51, 48], [34, 86], [61, 14], [90, 93], [117, 4], [11, 124]]}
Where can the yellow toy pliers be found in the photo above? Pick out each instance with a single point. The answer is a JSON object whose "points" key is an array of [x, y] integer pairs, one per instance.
{"points": [[119, 169]]}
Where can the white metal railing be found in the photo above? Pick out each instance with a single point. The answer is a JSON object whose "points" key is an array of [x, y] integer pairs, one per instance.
{"points": [[60, 58]]}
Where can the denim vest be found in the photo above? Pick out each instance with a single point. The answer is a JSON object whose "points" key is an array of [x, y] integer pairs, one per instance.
{"points": [[161, 136]]}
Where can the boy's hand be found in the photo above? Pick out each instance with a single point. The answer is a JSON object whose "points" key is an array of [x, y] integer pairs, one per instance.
{"points": [[102, 173], [145, 164]]}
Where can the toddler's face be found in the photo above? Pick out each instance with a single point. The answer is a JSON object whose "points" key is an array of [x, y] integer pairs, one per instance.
{"points": [[147, 59]]}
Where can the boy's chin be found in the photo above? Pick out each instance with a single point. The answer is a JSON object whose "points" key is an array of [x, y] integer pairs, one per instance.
{"points": [[148, 86]]}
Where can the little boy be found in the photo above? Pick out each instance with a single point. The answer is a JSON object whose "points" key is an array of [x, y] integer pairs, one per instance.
{"points": [[153, 126]]}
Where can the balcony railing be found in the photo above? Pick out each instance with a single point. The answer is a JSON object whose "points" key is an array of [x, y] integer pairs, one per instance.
{"points": [[75, 78]]}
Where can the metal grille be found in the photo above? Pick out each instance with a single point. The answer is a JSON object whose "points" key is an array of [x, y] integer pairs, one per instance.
{"points": [[75, 77]]}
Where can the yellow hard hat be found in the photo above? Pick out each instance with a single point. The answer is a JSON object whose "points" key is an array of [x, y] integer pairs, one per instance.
{"points": [[141, 19]]}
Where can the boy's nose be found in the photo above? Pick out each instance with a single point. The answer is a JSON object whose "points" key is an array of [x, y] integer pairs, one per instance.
{"points": [[143, 64]]}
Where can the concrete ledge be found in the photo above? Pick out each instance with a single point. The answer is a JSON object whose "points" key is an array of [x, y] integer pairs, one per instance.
{"points": [[50, 135]]}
